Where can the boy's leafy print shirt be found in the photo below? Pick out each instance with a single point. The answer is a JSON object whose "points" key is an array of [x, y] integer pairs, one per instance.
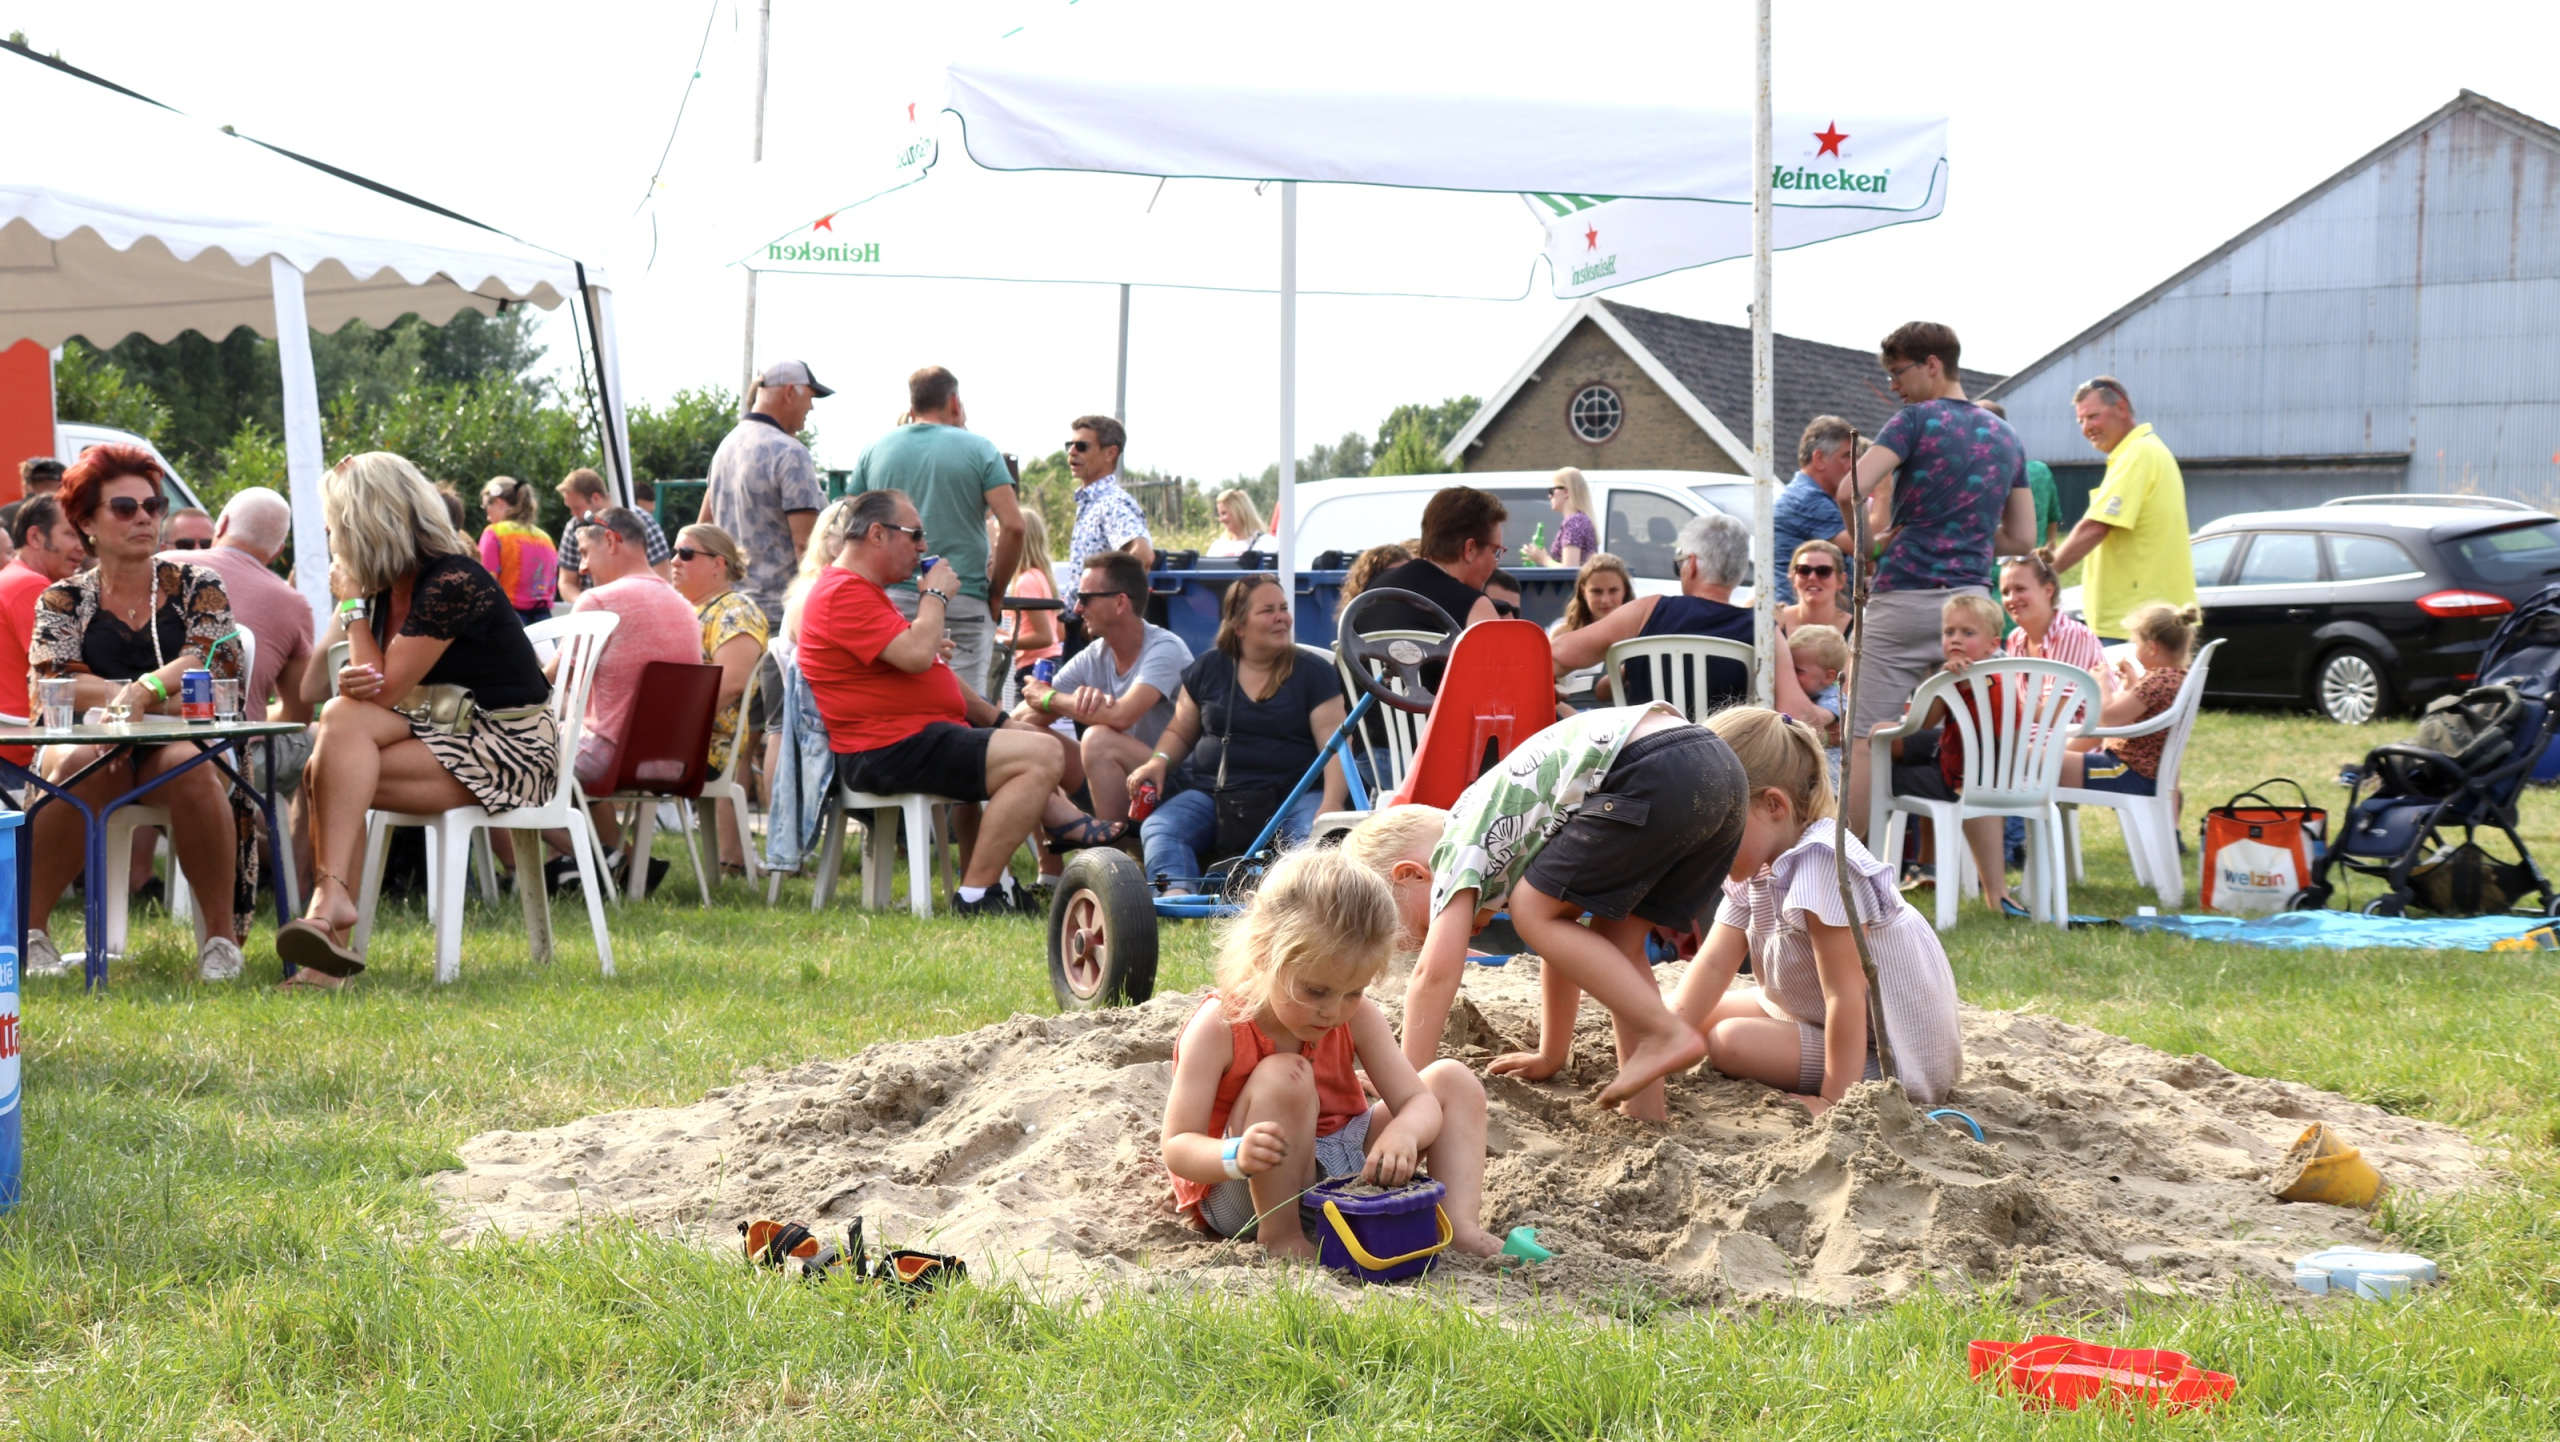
{"points": [[1499, 824]]}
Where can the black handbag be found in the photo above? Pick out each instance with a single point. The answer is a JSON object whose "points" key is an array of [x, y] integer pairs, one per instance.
{"points": [[1242, 810]]}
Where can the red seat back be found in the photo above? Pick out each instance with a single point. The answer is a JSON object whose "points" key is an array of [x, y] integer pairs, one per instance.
{"points": [[1500, 690], [667, 750]]}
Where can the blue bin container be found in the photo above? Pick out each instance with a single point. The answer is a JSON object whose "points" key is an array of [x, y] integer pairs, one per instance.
{"points": [[1186, 602], [13, 939]]}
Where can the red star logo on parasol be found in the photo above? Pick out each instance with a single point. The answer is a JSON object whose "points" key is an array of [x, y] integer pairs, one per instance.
{"points": [[826, 222], [1591, 238], [911, 112], [1830, 137]]}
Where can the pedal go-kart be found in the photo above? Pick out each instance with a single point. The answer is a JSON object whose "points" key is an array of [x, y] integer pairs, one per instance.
{"points": [[1496, 689]]}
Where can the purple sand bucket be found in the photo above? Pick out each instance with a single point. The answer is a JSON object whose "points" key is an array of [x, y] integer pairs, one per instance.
{"points": [[1381, 1236]]}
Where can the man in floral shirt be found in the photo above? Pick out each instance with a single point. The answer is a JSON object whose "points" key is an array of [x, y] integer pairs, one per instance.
{"points": [[1946, 488], [1107, 517]]}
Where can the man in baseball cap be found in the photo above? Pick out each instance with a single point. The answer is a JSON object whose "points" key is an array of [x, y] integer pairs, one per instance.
{"points": [[791, 373]]}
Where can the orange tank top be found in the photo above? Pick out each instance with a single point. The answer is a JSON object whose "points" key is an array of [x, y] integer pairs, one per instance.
{"points": [[1338, 1094]]}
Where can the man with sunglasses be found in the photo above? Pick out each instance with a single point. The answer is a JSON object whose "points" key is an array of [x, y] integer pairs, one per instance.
{"points": [[956, 479], [899, 720], [1108, 518], [1807, 508], [1120, 688], [187, 529]]}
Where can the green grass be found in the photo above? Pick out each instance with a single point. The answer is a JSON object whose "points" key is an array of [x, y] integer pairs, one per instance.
{"points": [[224, 1233]]}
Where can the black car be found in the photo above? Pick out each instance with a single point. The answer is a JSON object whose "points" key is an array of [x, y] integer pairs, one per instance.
{"points": [[2369, 605]]}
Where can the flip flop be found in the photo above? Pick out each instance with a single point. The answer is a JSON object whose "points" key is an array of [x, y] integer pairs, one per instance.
{"points": [[306, 979], [1083, 832], [305, 943]]}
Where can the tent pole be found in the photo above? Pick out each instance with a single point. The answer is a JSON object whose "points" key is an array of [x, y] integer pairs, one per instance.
{"points": [[1764, 532], [764, 64], [1285, 509], [1120, 397], [301, 441], [614, 438]]}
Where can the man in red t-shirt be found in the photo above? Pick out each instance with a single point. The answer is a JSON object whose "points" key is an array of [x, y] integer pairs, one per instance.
{"points": [[49, 550], [897, 718]]}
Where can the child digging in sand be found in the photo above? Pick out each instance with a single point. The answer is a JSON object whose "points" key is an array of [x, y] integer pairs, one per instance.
{"points": [[1265, 1102], [1804, 1029], [1630, 814]]}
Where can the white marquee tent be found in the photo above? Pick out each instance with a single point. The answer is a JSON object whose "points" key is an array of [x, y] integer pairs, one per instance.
{"points": [[119, 215], [1639, 168]]}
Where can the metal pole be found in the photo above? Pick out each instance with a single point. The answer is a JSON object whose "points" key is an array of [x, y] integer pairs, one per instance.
{"points": [[1285, 507], [764, 63], [1120, 397], [1764, 492]]}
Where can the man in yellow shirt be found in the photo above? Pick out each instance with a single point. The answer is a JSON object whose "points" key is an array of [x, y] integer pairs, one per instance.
{"points": [[2135, 532]]}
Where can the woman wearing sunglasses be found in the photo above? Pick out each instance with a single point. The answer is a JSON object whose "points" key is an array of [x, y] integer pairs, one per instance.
{"points": [[1819, 571], [125, 630], [1577, 539], [708, 567]]}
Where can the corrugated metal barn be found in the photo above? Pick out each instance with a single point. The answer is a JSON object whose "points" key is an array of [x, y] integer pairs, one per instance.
{"points": [[2396, 328]]}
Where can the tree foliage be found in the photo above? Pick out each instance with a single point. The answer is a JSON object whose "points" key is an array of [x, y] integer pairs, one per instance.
{"points": [[92, 388]]}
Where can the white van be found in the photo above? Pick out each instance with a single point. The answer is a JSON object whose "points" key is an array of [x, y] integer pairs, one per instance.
{"points": [[73, 439], [1639, 513]]}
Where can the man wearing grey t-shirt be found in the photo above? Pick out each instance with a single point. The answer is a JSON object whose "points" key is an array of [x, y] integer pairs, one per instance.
{"points": [[1121, 688]]}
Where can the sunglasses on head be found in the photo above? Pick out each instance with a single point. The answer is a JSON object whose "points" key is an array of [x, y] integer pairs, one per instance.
{"points": [[125, 508], [190, 543], [1817, 572]]}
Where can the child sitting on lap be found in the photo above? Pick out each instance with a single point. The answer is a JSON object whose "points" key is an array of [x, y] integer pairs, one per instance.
{"points": [[1265, 1102], [1630, 814], [1821, 653], [1804, 1030]]}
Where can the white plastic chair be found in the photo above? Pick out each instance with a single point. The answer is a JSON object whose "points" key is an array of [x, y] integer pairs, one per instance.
{"points": [[1403, 728], [2150, 822], [728, 786], [1677, 667], [925, 846], [580, 640], [2012, 773]]}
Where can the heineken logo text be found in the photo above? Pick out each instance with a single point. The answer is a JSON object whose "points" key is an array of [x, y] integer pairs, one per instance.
{"points": [[1585, 274], [1781, 178], [858, 253]]}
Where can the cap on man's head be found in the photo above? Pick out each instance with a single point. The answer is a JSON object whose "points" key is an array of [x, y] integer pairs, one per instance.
{"points": [[792, 373]]}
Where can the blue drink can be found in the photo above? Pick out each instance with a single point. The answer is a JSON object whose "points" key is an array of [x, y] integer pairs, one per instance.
{"points": [[195, 695], [1043, 669]]}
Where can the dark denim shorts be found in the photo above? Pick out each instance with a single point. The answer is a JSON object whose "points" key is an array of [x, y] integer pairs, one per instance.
{"points": [[1657, 838]]}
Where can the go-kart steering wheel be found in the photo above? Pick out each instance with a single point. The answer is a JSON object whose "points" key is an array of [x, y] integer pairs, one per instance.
{"points": [[1401, 657]]}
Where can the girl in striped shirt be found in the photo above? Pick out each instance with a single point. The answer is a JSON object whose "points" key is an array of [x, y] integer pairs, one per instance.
{"points": [[2031, 593], [1804, 1028]]}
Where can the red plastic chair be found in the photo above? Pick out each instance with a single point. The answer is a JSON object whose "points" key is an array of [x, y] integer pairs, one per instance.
{"points": [[1498, 691], [665, 756]]}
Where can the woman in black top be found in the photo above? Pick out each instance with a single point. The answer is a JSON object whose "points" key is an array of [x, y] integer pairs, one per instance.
{"points": [[1256, 707], [125, 630], [421, 612]]}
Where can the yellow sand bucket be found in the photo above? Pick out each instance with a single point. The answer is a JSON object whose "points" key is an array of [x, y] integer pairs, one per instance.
{"points": [[2321, 1167]]}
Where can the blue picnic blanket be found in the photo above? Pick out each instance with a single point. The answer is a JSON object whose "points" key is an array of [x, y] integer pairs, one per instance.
{"points": [[2342, 930]]}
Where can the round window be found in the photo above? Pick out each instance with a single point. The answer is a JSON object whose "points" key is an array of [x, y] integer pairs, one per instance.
{"points": [[1595, 413]]}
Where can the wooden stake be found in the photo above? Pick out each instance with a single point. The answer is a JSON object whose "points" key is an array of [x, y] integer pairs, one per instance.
{"points": [[1853, 748]]}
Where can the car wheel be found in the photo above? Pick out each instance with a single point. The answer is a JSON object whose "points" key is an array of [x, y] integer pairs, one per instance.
{"points": [[2350, 689]]}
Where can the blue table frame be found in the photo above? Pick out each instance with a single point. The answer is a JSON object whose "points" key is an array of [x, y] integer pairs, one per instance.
{"points": [[214, 743]]}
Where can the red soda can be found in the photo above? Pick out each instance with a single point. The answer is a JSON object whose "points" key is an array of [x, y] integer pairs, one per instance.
{"points": [[1143, 805]]}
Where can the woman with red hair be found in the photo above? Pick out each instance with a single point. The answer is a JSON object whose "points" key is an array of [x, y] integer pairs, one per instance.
{"points": [[125, 630]]}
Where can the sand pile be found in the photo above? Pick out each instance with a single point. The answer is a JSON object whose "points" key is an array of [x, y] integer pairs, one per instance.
{"points": [[1029, 1148]]}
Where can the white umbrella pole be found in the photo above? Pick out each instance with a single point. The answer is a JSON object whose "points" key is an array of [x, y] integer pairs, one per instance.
{"points": [[1287, 503], [1764, 499], [764, 68], [1120, 393], [301, 441]]}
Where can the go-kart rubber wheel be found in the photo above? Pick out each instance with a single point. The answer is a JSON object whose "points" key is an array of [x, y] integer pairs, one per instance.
{"points": [[2551, 907], [2393, 905], [1102, 932]]}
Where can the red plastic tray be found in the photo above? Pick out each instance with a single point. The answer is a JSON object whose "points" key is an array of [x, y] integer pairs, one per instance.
{"points": [[2065, 1372]]}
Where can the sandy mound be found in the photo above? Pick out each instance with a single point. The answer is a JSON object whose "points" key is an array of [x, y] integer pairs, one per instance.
{"points": [[1030, 1148]]}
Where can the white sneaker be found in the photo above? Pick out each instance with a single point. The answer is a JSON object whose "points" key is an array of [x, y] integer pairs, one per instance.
{"points": [[218, 959], [42, 957]]}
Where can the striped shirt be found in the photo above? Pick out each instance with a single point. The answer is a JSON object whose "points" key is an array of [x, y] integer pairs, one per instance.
{"points": [[1911, 967], [2072, 644]]}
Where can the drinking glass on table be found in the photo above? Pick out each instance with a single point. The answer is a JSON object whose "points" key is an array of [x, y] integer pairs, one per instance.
{"points": [[228, 699], [57, 701]]}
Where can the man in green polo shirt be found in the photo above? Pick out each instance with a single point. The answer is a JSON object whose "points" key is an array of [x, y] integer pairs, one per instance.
{"points": [[2135, 532]]}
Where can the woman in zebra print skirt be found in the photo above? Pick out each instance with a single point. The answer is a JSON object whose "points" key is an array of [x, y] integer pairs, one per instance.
{"points": [[419, 610]]}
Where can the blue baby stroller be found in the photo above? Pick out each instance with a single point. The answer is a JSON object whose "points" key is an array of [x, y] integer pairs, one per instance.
{"points": [[2472, 758]]}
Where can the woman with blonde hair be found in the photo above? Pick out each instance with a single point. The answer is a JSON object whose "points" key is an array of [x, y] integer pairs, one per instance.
{"points": [[1033, 635], [1240, 527], [1577, 539], [826, 540], [420, 611], [1602, 586], [1821, 576], [707, 568]]}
